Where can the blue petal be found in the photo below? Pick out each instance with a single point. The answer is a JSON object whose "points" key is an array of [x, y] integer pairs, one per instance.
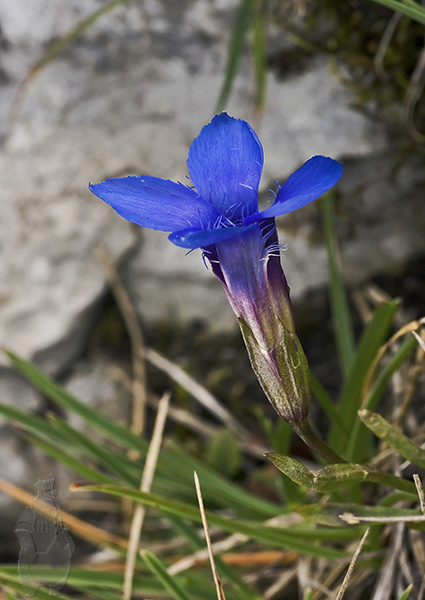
{"points": [[197, 238], [156, 203], [311, 181], [225, 163]]}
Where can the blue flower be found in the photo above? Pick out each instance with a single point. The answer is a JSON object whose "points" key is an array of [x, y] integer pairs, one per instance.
{"points": [[220, 215]]}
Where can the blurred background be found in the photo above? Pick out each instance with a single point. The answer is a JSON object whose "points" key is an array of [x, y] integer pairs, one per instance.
{"points": [[91, 89]]}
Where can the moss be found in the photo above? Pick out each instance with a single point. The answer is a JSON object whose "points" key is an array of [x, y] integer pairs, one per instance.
{"points": [[351, 33]]}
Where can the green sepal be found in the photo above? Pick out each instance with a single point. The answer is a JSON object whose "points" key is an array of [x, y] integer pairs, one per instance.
{"points": [[283, 372]]}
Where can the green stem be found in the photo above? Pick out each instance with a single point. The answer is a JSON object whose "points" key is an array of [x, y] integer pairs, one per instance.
{"points": [[310, 437]]}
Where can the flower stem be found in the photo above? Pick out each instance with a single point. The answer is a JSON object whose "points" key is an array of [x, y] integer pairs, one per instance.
{"points": [[310, 437]]}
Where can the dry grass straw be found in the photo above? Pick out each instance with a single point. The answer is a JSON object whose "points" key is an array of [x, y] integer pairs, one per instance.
{"points": [[411, 327], [145, 486], [84, 530], [217, 582], [136, 338], [203, 396], [351, 566]]}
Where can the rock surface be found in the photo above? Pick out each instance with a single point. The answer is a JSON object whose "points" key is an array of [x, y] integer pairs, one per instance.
{"points": [[95, 382], [128, 98]]}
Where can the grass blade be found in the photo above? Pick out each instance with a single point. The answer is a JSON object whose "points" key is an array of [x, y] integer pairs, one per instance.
{"points": [[259, 47], [218, 489], [406, 592], [240, 28], [327, 404], [370, 343], [85, 530], [76, 465], [298, 539], [339, 304], [416, 13], [393, 437], [174, 463], [112, 461], [196, 543], [63, 398], [357, 442], [117, 432], [170, 583], [29, 421], [92, 578]]}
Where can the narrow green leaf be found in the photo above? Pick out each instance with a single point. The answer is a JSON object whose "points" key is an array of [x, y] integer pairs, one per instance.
{"points": [[86, 578], [394, 497], [412, 3], [173, 463], [390, 480], [191, 534], [259, 50], [339, 304], [393, 437], [371, 341], [278, 435], [109, 580], [308, 594], [10, 573], [327, 404], [100, 594], [170, 583], [9, 595], [416, 13], [394, 363], [17, 588], [224, 454], [303, 541], [218, 489], [62, 43], [357, 441], [240, 28], [28, 420], [406, 592], [45, 573], [280, 439], [110, 460], [115, 431], [78, 466]]}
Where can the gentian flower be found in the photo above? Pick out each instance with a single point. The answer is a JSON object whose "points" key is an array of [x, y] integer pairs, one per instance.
{"points": [[220, 215]]}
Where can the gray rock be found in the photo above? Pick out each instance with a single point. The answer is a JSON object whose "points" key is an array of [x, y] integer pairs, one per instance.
{"points": [[15, 391], [95, 382], [128, 98], [51, 279], [21, 465]]}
